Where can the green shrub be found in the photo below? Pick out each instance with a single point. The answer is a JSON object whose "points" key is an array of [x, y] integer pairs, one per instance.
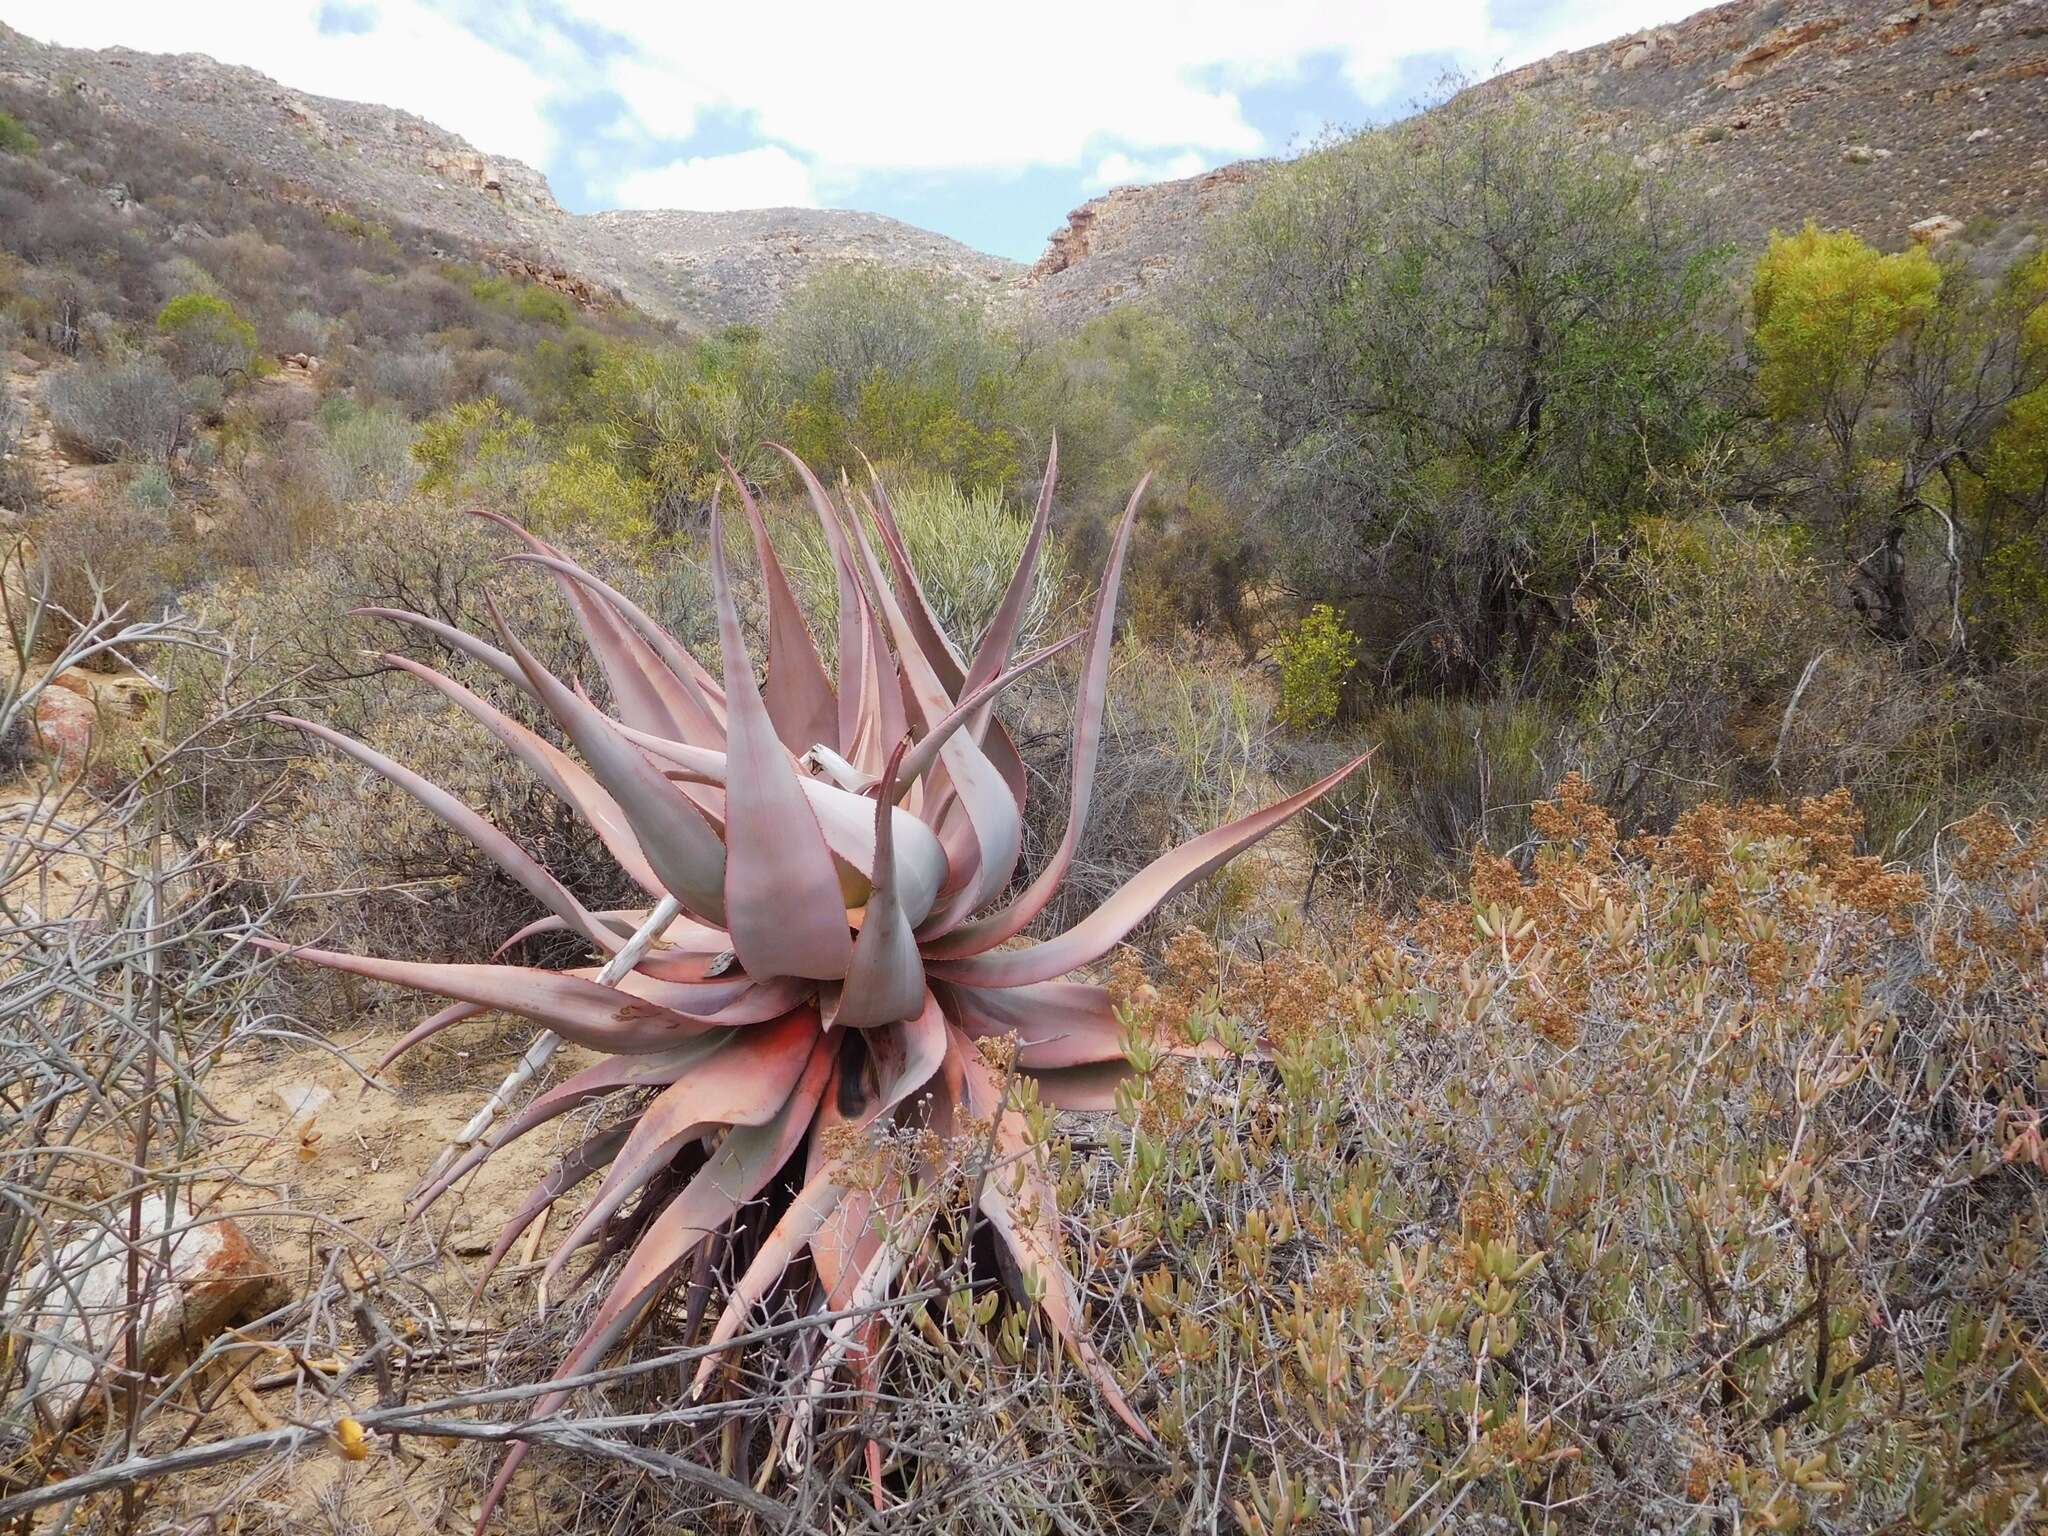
{"points": [[114, 551], [151, 489], [1315, 659], [529, 301], [479, 449], [14, 138], [207, 337], [368, 452]]}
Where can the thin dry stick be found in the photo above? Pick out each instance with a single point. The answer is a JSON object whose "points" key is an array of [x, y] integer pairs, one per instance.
{"points": [[415, 1418], [547, 1041]]}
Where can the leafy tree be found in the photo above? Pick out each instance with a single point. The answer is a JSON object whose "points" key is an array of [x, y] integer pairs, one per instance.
{"points": [[207, 336], [1911, 395], [892, 364], [671, 417], [1441, 358]]}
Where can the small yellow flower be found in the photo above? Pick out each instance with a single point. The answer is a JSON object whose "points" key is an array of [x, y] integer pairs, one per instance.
{"points": [[349, 1440]]}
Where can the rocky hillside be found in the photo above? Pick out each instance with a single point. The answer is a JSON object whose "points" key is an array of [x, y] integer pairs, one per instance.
{"points": [[704, 269], [1868, 113]]}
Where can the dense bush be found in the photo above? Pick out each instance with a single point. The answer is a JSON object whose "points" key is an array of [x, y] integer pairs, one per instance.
{"points": [[113, 549], [1911, 393], [132, 410], [1677, 1185], [206, 336], [15, 139], [963, 546], [1443, 359]]}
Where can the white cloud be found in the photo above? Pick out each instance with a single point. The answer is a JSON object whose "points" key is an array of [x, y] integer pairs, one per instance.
{"points": [[411, 55], [829, 94], [1120, 170], [768, 177]]}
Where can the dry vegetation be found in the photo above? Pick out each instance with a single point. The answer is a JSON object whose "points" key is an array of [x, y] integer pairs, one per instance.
{"points": [[1618, 1107]]}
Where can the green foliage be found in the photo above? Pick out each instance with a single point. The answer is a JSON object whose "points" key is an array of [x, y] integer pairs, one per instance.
{"points": [[1441, 361], [15, 139], [1827, 308], [892, 364], [367, 451], [583, 487], [480, 450], [529, 301], [206, 334], [669, 418], [151, 489], [1912, 399], [1315, 659]]}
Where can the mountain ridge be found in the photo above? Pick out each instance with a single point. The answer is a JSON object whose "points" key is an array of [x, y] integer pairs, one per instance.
{"points": [[1862, 113]]}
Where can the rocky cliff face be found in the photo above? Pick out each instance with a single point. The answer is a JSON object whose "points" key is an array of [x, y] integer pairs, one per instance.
{"points": [[1873, 114], [1120, 245]]}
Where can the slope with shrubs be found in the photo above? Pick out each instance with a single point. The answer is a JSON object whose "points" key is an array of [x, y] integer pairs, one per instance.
{"points": [[1665, 1154]]}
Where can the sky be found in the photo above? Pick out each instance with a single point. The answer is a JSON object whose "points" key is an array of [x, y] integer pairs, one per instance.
{"points": [[987, 123]]}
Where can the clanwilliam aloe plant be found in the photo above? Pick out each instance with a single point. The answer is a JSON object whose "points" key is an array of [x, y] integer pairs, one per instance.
{"points": [[826, 867]]}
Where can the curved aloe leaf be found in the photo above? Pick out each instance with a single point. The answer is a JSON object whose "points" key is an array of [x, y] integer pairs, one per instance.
{"points": [[681, 847], [985, 933], [1095, 935], [746, 1160], [783, 904]]}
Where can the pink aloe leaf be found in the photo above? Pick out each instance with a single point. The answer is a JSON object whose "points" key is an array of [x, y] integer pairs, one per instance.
{"points": [[684, 937], [459, 640], [985, 933], [798, 694], [433, 1024], [1095, 935], [813, 1206], [681, 847], [783, 904], [744, 1162], [1018, 1198], [696, 703], [463, 820], [982, 844], [601, 1018], [556, 769], [846, 822], [1001, 637], [572, 1170], [644, 690], [744, 1083], [739, 999], [1057, 1023], [615, 1074], [935, 642], [885, 981], [926, 750]]}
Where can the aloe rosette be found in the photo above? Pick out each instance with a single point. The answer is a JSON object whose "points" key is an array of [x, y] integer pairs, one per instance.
{"points": [[830, 871]]}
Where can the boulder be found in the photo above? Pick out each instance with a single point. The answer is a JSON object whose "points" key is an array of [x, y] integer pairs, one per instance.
{"points": [[72, 1312], [1935, 228], [64, 723]]}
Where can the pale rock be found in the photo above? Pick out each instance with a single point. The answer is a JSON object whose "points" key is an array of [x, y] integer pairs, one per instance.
{"points": [[72, 1315], [1936, 228]]}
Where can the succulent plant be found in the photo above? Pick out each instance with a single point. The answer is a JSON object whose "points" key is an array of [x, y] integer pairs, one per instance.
{"points": [[827, 940]]}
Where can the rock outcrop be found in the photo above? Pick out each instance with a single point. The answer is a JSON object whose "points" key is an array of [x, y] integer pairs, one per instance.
{"points": [[1859, 113]]}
